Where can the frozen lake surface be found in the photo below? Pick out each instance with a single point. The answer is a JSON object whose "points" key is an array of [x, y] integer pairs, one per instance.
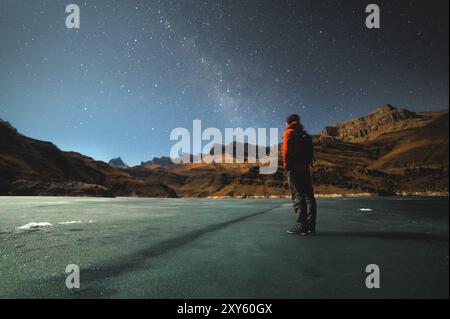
{"points": [[196, 248]]}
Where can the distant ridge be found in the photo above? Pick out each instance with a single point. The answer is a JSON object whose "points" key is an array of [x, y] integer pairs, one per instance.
{"points": [[163, 161]]}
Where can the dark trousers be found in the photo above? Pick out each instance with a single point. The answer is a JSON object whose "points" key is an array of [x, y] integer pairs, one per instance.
{"points": [[303, 200]]}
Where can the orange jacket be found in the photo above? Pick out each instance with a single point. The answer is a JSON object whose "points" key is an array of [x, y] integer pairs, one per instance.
{"points": [[290, 148]]}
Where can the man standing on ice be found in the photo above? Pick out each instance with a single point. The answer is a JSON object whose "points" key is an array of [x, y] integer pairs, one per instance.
{"points": [[297, 154]]}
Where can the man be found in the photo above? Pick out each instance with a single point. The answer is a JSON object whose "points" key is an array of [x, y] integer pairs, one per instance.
{"points": [[297, 154]]}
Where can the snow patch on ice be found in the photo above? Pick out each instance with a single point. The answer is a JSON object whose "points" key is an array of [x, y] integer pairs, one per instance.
{"points": [[71, 222], [33, 226]]}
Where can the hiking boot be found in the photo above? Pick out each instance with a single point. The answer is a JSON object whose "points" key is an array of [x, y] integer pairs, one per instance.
{"points": [[298, 229]]}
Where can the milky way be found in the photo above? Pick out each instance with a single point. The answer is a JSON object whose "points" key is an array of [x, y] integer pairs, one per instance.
{"points": [[137, 69]]}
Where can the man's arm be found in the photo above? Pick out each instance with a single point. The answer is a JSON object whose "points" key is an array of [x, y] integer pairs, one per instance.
{"points": [[287, 148]]}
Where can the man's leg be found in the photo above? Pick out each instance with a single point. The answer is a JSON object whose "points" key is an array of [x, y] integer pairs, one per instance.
{"points": [[311, 206], [303, 209], [298, 202], [296, 198]]}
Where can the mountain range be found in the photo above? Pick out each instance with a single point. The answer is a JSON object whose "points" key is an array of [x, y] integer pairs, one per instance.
{"points": [[389, 151]]}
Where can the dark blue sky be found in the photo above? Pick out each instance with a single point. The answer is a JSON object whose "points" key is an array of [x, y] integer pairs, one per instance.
{"points": [[137, 69]]}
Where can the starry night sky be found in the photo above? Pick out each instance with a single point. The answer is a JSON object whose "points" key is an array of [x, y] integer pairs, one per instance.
{"points": [[137, 69]]}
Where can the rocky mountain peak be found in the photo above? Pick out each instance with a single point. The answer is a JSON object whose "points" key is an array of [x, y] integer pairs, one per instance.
{"points": [[163, 161], [382, 119], [7, 125], [118, 163], [385, 109]]}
